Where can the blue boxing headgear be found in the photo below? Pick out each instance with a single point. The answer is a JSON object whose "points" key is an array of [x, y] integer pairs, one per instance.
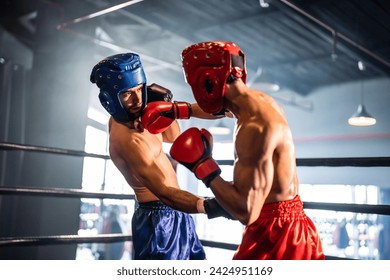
{"points": [[114, 75]]}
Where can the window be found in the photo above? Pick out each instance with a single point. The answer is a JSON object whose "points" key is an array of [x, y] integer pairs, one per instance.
{"points": [[103, 216], [346, 234]]}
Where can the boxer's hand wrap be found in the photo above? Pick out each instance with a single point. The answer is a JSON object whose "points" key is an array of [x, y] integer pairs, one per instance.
{"points": [[159, 115], [156, 92], [214, 209], [193, 149], [200, 206]]}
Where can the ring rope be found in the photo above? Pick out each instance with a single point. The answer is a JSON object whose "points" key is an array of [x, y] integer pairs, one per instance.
{"points": [[59, 151], [335, 162], [348, 207], [331, 162], [62, 192], [63, 239], [112, 238], [106, 238], [77, 193], [102, 238]]}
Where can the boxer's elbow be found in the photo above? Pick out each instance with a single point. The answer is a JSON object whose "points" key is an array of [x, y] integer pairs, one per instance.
{"points": [[240, 212], [166, 198], [247, 211], [169, 197], [248, 216], [242, 216]]}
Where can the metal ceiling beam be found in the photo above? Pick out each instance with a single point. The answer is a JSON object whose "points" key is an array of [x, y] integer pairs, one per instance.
{"points": [[160, 64], [108, 45], [98, 13], [380, 62]]}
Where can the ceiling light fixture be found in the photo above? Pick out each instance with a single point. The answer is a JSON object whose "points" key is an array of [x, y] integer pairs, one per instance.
{"points": [[361, 117]]}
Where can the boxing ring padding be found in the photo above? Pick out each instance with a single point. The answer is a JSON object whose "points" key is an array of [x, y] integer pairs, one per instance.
{"points": [[111, 238]]}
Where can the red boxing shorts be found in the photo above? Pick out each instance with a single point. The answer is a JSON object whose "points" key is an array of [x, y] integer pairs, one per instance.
{"points": [[282, 232]]}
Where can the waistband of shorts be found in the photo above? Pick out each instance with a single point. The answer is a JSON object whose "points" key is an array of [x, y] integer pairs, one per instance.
{"points": [[153, 205], [293, 207]]}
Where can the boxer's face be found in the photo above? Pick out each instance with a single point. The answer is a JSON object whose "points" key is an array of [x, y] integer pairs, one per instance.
{"points": [[131, 100]]}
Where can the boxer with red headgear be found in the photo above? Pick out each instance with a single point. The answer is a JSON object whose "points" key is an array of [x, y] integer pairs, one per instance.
{"points": [[264, 192], [208, 67]]}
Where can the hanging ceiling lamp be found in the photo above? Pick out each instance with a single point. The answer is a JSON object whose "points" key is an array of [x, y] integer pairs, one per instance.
{"points": [[361, 117]]}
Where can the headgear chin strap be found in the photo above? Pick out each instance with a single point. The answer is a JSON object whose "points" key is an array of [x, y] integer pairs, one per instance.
{"points": [[207, 67], [114, 75]]}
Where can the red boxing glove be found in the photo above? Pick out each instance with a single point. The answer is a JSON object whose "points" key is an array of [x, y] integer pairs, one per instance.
{"points": [[159, 115], [193, 148]]}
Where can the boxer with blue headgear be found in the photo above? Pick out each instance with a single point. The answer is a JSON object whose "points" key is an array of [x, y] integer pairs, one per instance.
{"points": [[115, 75], [161, 225]]}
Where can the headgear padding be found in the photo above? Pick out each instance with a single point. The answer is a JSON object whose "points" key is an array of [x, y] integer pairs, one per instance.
{"points": [[114, 75], [207, 67]]}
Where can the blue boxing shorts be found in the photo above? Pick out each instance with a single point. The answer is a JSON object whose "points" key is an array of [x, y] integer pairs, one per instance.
{"points": [[162, 233]]}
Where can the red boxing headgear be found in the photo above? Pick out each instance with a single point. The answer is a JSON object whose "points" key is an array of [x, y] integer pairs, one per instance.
{"points": [[207, 67]]}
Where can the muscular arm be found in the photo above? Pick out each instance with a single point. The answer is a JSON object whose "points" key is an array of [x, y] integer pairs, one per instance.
{"points": [[253, 175], [154, 171], [197, 112], [172, 132]]}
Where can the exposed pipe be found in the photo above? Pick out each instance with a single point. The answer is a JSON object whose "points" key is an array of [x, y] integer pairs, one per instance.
{"points": [[98, 13], [334, 46], [160, 63], [6, 90], [334, 32], [64, 27]]}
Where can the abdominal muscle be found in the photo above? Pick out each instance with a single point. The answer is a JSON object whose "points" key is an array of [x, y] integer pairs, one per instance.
{"points": [[142, 192]]}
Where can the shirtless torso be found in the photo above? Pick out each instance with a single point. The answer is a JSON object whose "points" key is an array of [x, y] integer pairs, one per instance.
{"points": [[264, 192], [264, 167], [140, 158]]}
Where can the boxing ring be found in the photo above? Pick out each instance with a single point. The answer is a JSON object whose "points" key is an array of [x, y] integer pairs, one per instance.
{"points": [[113, 238]]}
